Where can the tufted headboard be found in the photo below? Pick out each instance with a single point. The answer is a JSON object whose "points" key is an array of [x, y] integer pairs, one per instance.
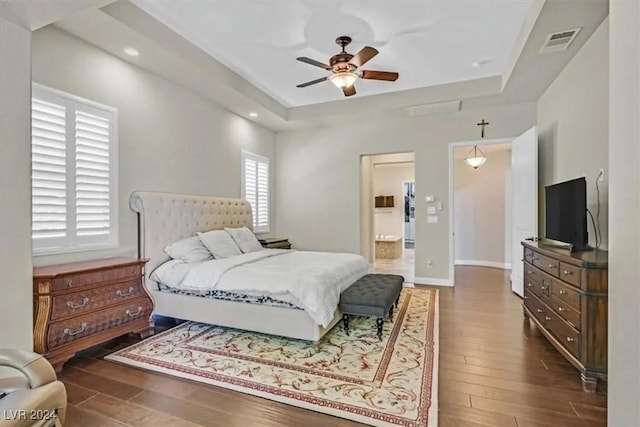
{"points": [[165, 218]]}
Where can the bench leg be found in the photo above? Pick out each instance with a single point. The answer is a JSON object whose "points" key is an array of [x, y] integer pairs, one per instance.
{"points": [[380, 323], [345, 322], [397, 301], [391, 314]]}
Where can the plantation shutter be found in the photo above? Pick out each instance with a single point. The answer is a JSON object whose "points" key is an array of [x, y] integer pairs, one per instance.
{"points": [[73, 173], [48, 170], [255, 189]]}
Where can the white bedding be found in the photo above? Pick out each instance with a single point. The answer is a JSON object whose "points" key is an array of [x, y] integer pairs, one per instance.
{"points": [[310, 280]]}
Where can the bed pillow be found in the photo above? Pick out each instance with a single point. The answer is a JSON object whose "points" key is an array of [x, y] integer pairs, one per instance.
{"points": [[188, 250], [219, 243], [245, 239]]}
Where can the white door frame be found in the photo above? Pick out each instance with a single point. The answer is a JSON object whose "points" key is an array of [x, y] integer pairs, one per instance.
{"points": [[414, 232], [452, 148]]}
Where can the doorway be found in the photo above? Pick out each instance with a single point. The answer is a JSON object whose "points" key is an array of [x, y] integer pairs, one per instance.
{"points": [[388, 213]]}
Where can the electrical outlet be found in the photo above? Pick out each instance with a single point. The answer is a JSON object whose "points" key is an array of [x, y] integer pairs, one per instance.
{"points": [[601, 175], [429, 264]]}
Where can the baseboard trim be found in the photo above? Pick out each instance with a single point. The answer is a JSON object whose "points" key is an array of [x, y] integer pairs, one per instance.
{"points": [[432, 281], [408, 285], [492, 264]]}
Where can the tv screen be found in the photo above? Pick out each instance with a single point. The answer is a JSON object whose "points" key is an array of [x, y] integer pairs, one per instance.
{"points": [[566, 212]]}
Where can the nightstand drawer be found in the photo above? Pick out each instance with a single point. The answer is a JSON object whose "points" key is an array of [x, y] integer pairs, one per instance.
{"points": [[74, 281], [73, 329], [75, 303]]}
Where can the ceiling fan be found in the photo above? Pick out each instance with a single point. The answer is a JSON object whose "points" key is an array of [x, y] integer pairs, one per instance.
{"points": [[344, 68]]}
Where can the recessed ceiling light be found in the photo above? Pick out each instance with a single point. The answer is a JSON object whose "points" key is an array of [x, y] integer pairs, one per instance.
{"points": [[254, 115], [131, 51]]}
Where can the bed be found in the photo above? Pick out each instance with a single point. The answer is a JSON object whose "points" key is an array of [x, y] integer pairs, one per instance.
{"points": [[164, 218]]}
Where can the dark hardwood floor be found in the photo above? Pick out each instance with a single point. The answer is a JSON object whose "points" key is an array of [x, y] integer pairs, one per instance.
{"points": [[495, 370]]}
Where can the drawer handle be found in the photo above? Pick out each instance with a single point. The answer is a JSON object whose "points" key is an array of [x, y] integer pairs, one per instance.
{"points": [[71, 333], [72, 306], [567, 273], [547, 318], [137, 313], [552, 266], [560, 309], [544, 288], [134, 271], [530, 285], [535, 258], [563, 292], [525, 297], [68, 282], [528, 271], [569, 339], [539, 310], [121, 293]]}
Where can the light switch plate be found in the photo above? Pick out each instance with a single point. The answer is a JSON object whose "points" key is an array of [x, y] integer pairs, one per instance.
{"points": [[429, 199], [432, 219], [431, 210]]}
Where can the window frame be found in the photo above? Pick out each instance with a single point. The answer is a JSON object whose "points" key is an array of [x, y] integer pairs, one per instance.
{"points": [[74, 243], [258, 159]]}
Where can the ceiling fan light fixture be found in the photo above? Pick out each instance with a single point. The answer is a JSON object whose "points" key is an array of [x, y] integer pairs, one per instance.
{"points": [[475, 158], [343, 79]]}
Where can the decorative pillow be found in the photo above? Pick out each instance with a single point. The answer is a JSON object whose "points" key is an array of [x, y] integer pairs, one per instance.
{"points": [[219, 243], [245, 239], [190, 249]]}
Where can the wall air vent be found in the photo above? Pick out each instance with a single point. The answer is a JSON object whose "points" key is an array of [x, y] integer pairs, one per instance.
{"points": [[559, 41]]}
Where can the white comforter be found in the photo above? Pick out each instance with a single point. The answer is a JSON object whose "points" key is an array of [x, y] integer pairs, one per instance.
{"points": [[314, 279]]}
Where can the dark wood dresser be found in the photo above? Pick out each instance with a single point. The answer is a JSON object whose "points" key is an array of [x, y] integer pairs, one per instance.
{"points": [[82, 304], [565, 295]]}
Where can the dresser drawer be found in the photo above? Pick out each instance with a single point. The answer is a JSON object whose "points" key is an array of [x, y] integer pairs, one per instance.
{"points": [[566, 294], [528, 255], [75, 303], [565, 311], [564, 333], [570, 273], [532, 273], [535, 306], [66, 331], [79, 280], [546, 264], [532, 286]]}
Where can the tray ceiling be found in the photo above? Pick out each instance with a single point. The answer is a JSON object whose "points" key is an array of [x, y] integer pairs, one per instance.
{"points": [[429, 43]]}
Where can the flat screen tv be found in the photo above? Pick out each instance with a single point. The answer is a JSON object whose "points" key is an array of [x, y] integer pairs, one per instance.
{"points": [[566, 213]]}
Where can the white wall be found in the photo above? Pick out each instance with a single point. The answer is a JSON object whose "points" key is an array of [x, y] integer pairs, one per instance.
{"points": [[16, 318], [573, 126], [319, 171], [480, 213], [388, 181], [170, 139], [624, 224]]}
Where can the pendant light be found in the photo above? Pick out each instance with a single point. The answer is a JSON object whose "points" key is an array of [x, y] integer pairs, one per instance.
{"points": [[475, 158]]}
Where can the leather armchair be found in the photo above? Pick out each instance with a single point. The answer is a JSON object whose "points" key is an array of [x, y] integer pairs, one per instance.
{"points": [[30, 394]]}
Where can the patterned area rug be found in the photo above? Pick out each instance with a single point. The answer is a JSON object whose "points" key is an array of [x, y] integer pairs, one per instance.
{"points": [[357, 377]]}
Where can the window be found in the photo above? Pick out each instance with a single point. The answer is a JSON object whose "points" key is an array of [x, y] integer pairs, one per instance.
{"points": [[255, 189], [73, 173]]}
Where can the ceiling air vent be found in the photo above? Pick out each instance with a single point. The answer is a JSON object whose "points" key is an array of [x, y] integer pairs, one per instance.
{"points": [[559, 41]]}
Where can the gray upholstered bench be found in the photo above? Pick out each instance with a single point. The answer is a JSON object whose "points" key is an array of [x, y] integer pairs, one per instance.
{"points": [[372, 295]]}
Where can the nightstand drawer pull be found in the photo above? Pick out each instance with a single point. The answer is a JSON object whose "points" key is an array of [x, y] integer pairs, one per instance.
{"points": [[562, 292], [72, 306], [530, 285], [539, 310], [552, 266], [68, 282], [547, 318], [71, 333], [137, 313], [122, 293], [560, 309], [567, 273], [569, 339]]}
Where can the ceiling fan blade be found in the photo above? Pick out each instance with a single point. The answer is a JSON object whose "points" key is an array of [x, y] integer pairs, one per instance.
{"points": [[313, 62], [349, 90], [380, 75], [312, 82], [365, 54]]}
